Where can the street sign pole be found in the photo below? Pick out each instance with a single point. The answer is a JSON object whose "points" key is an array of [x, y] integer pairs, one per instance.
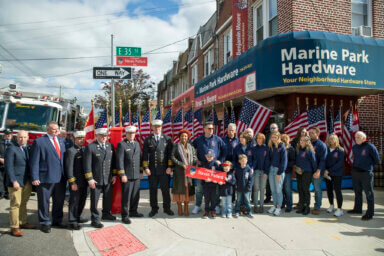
{"points": [[112, 86]]}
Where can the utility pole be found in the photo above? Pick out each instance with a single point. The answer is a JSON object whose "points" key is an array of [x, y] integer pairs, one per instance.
{"points": [[112, 85]]}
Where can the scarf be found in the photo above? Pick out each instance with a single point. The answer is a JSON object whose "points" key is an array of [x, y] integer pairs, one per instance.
{"points": [[187, 160]]}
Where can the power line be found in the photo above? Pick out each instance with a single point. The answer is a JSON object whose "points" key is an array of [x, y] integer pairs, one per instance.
{"points": [[18, 61]]}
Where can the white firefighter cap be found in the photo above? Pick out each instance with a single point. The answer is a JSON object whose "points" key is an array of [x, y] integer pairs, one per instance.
{"points": [[102, 131], [78, 134], [157, 122], [130, 129]]}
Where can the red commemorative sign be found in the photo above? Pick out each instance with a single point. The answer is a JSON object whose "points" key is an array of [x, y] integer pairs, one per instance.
{"points": [[131, 61], [239, 27], [205, 174]]}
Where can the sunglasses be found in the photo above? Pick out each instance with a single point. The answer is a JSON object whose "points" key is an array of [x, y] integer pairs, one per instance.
{"points": [[273, 128], [210, 128]]}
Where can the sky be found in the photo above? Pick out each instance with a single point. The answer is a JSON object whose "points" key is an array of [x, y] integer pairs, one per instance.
{"points": [[45, 44]]}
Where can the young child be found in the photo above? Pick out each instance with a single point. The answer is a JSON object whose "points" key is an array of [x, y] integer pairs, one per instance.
{"points": [[244, 180], [209, 187], [226, 190]]}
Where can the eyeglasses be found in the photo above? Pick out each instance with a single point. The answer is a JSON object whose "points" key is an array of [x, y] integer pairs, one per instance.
{"points": [[210, 128], [273, 128]]}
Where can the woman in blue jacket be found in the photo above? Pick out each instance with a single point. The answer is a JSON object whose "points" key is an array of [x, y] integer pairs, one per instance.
{"points": [[243, 148], [334, 164], [278, 163], [306, 165]]}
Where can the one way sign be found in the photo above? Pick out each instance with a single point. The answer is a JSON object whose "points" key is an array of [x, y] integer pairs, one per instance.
{"points": [[111, 73]]}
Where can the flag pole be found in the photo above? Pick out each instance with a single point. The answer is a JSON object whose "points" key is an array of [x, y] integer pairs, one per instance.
{"points": [[172, 120], [306, 102], [149, 113], [315, 101], [182, 113], [93, 112], [139, 124], [298, 105], [120, 102], [193, 118], [161, 109], [129, 112], [107, 116]]}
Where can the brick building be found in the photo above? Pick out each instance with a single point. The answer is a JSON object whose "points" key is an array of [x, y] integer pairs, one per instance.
{"points": [[275, 24]]}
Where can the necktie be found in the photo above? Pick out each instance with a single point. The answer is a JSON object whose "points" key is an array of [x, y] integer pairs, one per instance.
{"points": [[25, 151], [57, 147], [103, 146]]}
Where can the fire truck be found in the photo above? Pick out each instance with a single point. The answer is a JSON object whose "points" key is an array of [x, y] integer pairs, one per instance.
{"points": [[31, 111]]}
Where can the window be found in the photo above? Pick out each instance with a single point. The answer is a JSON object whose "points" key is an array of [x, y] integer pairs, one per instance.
{"points": [[258, 27], [172, 92], [184, 82], [208, 62], [361, 13], [228, 46], [194, 74], [272, 17]]}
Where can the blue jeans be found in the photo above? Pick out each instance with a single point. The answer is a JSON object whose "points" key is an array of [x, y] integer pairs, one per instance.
{"points": [[227, 205], [276, 187], [318, 191], [199, 193], [243, 198], [287, 191], [259, 187]]}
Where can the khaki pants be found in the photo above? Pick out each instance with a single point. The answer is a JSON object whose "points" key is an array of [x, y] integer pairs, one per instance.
{"points": [[18, 209]]}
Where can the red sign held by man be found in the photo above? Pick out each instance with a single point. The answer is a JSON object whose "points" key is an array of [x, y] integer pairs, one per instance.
{"points": [[205, 174]]}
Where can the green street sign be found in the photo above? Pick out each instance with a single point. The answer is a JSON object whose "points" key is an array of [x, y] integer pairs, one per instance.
{"points": [[128, 51]]}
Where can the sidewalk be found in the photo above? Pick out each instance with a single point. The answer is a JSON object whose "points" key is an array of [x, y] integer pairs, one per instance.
{"points": [[289, 234]]}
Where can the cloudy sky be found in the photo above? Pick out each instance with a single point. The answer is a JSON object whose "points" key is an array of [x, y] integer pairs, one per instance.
{"points": [[48, 43]]}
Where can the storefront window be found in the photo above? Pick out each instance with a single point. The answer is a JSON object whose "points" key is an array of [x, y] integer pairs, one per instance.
{"points": [[272, 17]]}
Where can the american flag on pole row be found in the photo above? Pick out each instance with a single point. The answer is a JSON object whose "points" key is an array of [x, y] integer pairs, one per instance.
{"points": [[316, 117], [348, 137], [213, 118], [188, 122], [117, 119], [126, 120], [337, 123], [233, 117], [177, 125], [197, 124], [102, 121], [158, 115], [145, 130], [253, 115], [135, 122], [167, 123], [224, 123], [330, 125], [292, 128]]}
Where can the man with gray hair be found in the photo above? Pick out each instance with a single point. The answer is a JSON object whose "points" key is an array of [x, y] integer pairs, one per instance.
{"points": [[231, 141]]}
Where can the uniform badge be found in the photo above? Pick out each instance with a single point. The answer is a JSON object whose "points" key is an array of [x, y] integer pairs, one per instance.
{"points": [[234, 144], [212, 143], [229, 177], [97, 154], [303, 154], [246, 175], [249, 153], [265, 153], [336, 155], [363, 153], [128, 149]]}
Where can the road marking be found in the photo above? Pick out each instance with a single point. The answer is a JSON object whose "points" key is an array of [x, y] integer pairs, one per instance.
{"points": [[311, 221]]}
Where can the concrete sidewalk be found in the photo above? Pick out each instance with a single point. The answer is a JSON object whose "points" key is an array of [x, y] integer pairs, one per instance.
{"points": [[289, 234]]}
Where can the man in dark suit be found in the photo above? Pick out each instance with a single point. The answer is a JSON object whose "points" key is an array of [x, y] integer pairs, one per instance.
{"points": [[47, 172], [4, 143], [128, 155], [18, 183], [67, 141], [157, 165], [98, 165], [73, 163]]}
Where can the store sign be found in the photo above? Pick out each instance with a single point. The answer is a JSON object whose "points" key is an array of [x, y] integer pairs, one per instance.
{"points": [[239, 27]]}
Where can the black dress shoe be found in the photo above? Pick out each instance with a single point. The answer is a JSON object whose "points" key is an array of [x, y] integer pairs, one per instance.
{"points": [[74, 226], [152, 213], [97, 225], [136, 214], [6, 196], [59, 225], [45, 228], [169, 212], [267, 200], [353, 211], [126, 220], [108, 217], [366, 217], [82, 220], [306, 210]]}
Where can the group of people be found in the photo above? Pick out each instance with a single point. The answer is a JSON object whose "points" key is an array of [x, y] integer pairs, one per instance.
{"points": [[250, 163]]}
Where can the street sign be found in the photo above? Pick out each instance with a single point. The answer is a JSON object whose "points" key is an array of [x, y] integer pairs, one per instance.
{"points": [[111, 73], [131, 61], [128, 51]]}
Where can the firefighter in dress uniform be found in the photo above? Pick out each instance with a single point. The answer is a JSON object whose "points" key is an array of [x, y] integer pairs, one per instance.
{"points": [[128, 159], [157, 165], [73, 164], [100, 173]]}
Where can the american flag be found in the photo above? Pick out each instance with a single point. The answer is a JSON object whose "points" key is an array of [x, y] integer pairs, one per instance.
{"points": [[292, 128], [233, 117], [253, 115], [295, 114], [330, 125], [337, 123], [177, 125], [117, 119], [158, 115], [213, 118], [188, 122], [225, 124], [102, 121], [135, 122], [347, 138], [126, 119], [145, 130], [167, 123], [197, 124], [316, 117]]}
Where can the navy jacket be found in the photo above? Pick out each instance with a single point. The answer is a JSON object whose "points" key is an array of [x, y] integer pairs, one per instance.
{"points": [[202, 144], [230, 145], [306, 160], [248, 152], [291, 153], [212, 166], [228, 188], [16, 165], [334, 162], [45, 164], [261, 159], [278, 158], [365, 156], [320, 154], [244, 179]]}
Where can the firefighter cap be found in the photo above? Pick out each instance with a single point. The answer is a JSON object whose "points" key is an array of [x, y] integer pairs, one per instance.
{"points": [[130, 129], [102, 131], [157, 122], [79, 134]]}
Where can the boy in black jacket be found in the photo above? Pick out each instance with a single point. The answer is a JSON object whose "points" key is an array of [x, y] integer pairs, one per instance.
{"points": [[244, 182], [210, 187], [227, 189]]}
